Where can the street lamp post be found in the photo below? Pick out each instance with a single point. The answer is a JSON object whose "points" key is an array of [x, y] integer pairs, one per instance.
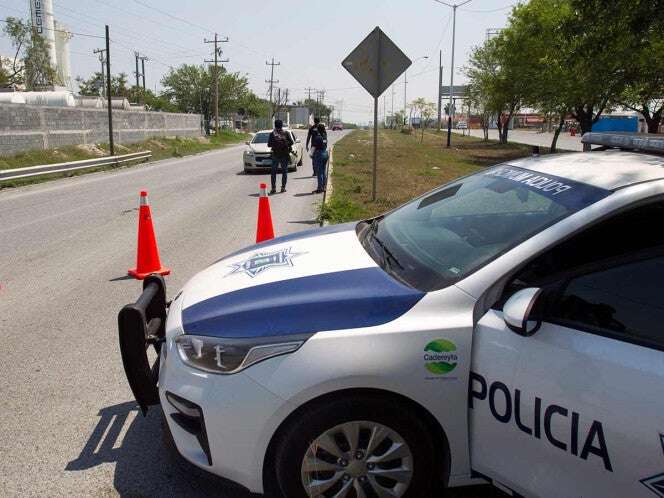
{"points": [[405, 84], [449, 119]]}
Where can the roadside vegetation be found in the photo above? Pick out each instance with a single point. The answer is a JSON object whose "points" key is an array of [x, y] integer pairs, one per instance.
{"points": [[571, 58], [161, 148], [408, 165]]}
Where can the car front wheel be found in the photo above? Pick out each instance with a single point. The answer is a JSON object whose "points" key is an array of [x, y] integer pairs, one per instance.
{"points": [[355, 447]]}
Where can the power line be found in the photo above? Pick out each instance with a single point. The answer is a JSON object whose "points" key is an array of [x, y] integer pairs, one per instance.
{"points": [[63, 30], [309, 90], [489, 10], [86, 17], [168, 14], [142, 17]]}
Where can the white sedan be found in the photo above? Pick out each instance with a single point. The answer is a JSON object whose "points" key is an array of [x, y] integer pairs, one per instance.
{"points": [[258, 156], [505, 327]]}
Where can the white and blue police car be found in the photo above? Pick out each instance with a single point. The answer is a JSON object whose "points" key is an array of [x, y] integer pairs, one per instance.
{"points": [[506, 327]]}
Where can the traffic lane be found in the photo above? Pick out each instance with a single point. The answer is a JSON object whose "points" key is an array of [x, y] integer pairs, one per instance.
{"points": [[97, 212], [565, 141], [69, 245]]}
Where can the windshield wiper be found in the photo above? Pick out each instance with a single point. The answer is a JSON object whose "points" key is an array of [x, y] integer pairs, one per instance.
{"points": [[388, 259]]}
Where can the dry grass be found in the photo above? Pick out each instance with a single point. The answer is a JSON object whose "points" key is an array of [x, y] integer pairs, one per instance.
{"points": [[406, 168]]}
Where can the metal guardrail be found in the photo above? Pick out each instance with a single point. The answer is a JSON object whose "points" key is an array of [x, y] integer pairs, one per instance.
{"points": [[48, 169]]}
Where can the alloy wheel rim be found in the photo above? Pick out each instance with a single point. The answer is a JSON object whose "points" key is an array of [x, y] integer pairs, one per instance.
{"points": [[357, 459]]}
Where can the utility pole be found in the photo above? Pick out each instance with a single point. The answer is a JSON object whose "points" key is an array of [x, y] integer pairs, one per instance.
{"points": [[217, 53], [277, 107], [272, 81], [320, 101], [138, 75], [449, 119], [143, 59], [405, 85], [393, 122], [308, 90], [111, 148], [102, 59], [440, 86]]}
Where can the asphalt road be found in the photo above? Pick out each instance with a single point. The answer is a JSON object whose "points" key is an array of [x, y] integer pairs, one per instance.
{"points": [[565, 141], [68, 425]]}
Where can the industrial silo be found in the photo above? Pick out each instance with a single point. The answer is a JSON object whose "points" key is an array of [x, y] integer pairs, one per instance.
{"points": [[42, 21], [62, 37]]}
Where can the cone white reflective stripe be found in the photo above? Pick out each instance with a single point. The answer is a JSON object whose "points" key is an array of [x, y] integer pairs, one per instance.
{"points": [[262, 190], [144, 199]]}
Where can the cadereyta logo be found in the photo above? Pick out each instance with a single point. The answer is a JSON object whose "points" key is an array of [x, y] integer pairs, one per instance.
{"points": [[262, 261], [440, 356]]}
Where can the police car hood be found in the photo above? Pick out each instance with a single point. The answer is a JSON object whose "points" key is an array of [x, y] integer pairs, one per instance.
{"points": [[302, 283]]}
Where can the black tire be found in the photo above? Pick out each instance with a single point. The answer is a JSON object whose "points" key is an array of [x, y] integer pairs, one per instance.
{"points": [[282, 476]]}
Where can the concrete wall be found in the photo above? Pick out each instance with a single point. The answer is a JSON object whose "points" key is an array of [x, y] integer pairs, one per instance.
{"points": [[24, 127]]}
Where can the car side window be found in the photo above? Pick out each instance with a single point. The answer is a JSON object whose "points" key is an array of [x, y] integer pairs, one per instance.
{"points": [[631, 231], [624, 301]]}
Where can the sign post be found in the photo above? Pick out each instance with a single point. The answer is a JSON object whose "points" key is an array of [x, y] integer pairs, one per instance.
{"points": [[376, 63]]}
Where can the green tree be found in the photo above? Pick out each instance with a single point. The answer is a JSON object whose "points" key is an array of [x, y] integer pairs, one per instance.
{"points": [[490, 77], [96, 85], [425, 110], [536, 26], [399, 118], [479, 103], [578, 57], [92, 86], [31, 64], [594, 48], [190, 88], [150, 100], [319, 109], [4, 75], [644, 91], [253, 106]]}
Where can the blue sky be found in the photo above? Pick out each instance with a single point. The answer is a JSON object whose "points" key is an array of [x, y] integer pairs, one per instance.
{"points": [[309, 38]]}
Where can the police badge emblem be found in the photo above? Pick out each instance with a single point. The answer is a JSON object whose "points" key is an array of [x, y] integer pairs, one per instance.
{"points": [[259, 262]]}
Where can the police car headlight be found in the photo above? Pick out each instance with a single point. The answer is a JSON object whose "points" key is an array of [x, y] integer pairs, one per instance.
{"points": [[249, 152], [227, 356]]}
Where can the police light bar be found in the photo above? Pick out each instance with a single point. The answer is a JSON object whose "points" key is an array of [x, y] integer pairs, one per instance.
{"points": [[643, 142]]}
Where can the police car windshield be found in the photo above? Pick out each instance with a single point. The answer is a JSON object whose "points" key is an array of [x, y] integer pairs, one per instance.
{"points": [[443, 236], [260, 138]]}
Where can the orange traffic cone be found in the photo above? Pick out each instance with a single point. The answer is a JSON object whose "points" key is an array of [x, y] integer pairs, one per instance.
{"points": [[264, 228], [147, 255]]}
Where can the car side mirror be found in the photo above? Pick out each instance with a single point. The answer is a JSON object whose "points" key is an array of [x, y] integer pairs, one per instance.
{"points": [[246, 143], [517, 312]]}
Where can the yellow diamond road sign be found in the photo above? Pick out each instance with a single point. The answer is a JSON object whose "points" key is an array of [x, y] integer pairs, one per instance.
{"points": [[376, 62]]}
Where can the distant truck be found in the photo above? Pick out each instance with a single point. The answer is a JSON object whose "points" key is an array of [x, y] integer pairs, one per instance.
{"points": [[337, 126]]}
